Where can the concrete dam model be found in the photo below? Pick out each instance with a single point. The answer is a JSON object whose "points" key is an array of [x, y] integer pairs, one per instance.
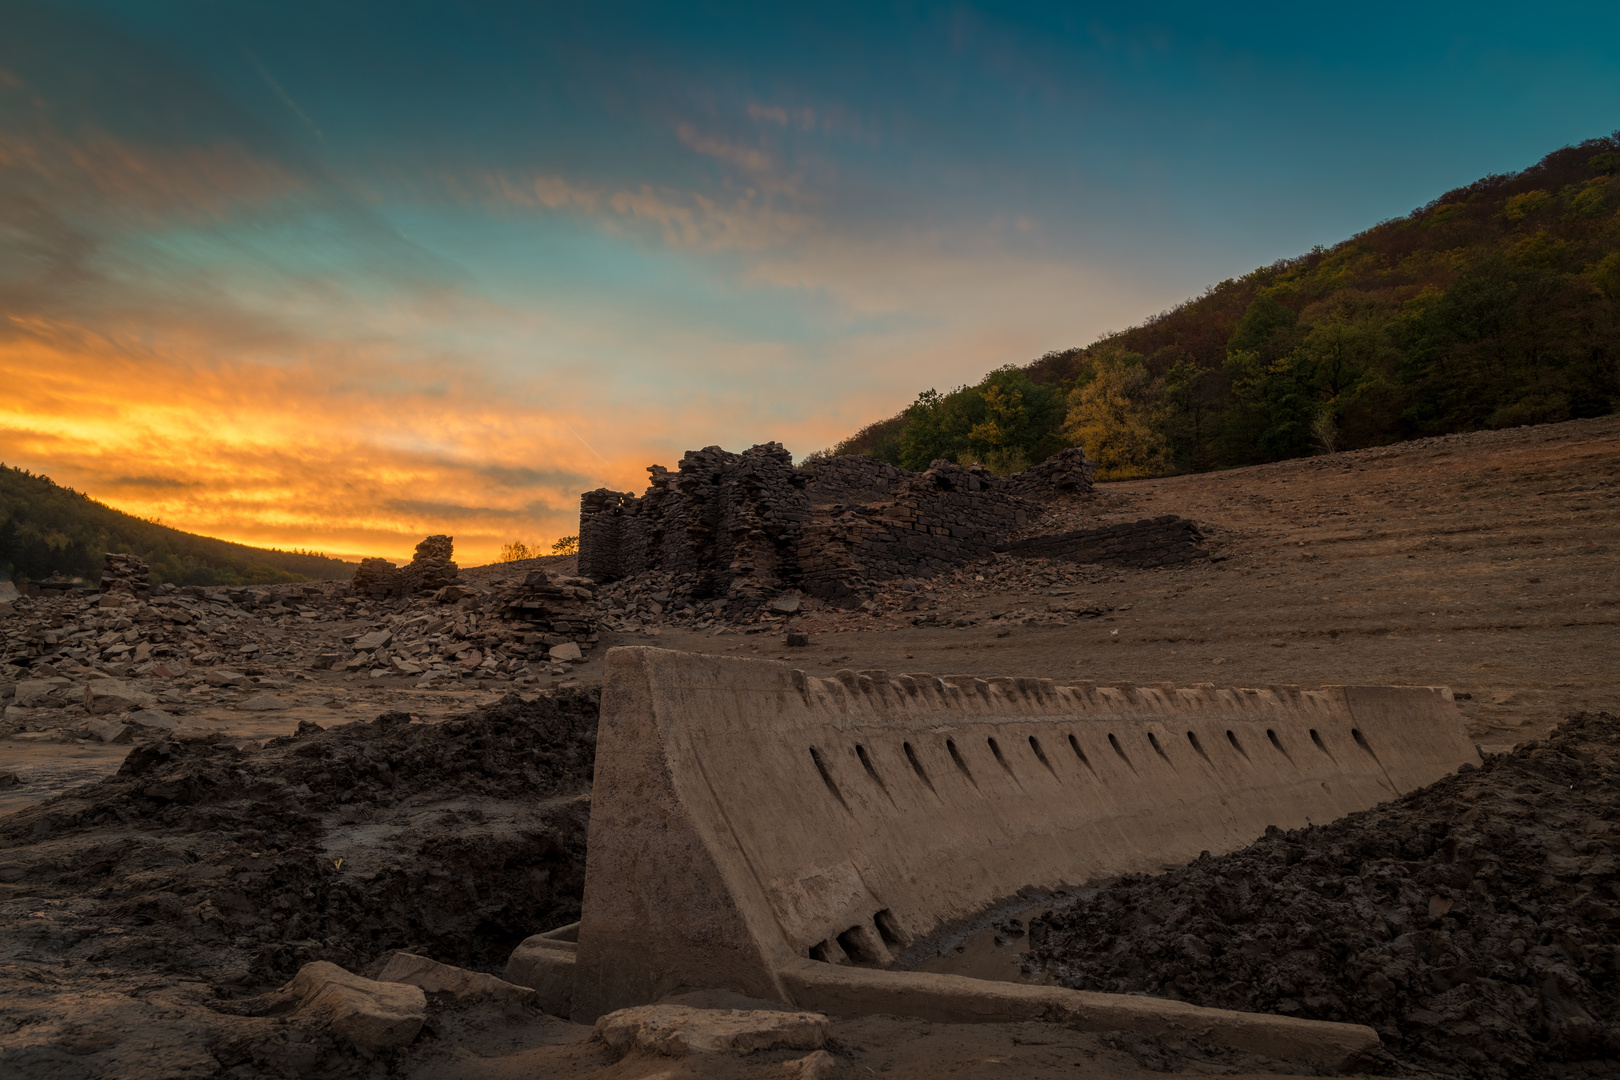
{"points": [[786, 837]]}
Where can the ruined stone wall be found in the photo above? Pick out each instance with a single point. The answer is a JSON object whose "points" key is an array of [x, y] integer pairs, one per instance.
{"points": [[933, 521], [730, 522], [1160, 541], [852, 478], [429, 570], [747, 525]]}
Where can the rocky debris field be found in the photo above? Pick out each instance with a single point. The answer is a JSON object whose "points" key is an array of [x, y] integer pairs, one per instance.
{"points": [[113, 667], [650, 603], [1474, 923]]}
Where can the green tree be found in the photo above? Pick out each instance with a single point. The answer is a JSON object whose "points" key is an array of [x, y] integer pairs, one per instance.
{"points": [[1007, 422]]}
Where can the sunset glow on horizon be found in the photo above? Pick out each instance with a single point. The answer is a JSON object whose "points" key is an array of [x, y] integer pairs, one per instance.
{"points": [[338, 279]]}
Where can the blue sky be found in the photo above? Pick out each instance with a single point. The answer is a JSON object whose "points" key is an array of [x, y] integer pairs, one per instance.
{"points": [[336, 276]]}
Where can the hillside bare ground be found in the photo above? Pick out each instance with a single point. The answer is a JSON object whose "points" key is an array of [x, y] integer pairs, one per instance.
{"points": [[1487, 562]]}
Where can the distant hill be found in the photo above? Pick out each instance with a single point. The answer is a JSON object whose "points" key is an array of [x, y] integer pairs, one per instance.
{"points": [[1495, 305], [46, 528]]}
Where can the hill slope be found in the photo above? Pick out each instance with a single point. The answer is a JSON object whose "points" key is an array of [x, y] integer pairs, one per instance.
{"points": [[46, 528], [1497, 304]]}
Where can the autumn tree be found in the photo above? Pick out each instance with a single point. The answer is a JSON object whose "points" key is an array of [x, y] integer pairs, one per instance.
{"points": [[1117, 415]]}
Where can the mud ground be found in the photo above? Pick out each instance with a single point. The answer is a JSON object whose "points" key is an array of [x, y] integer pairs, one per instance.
{"points": [[1475, 923], [206, 869]]}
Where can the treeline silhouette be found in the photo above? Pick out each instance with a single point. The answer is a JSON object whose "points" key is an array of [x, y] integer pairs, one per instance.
{"points": [[46, 528], [1497, 304]]}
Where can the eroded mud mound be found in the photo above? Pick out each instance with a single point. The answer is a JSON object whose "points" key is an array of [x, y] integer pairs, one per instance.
{"points": [[455, 840], [1474, 923]]}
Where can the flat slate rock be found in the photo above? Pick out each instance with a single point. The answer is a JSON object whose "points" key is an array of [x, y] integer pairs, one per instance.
{"points": [[677, 1030]]}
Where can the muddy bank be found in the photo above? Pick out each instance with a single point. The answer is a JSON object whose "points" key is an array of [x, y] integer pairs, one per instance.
{"points": [[1474, 923], [237, 866]]}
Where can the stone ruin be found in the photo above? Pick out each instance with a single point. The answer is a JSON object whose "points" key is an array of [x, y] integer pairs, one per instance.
{"points": [[747, 526], [559, 610], [122, 572], [428, 571]]}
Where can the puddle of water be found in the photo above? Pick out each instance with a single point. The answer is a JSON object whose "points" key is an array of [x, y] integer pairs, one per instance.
{"points": [[48, 769], [995, 951]]}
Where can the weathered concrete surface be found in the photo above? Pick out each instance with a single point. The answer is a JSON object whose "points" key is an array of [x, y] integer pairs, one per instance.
{"points": [[745, 816], [545, 964], [850, 991], [373, 1015], [676, 1030], [448, 983]]}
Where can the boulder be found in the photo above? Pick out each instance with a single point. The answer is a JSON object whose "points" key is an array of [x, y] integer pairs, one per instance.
{"points": [[112, 695], [152, 718], [677, 1030], [109, 731], [36, 692], [442, 982], [375, 1016], [545, 964], [373, 641], [224, 677], [263, 703], [787, 605], [567, 652]]}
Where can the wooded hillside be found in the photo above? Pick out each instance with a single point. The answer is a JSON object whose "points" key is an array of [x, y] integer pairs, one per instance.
{"points": [[46, 528], [1495, 305]]}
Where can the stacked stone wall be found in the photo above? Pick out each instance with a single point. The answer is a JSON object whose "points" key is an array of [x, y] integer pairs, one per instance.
{"points": [[729, 521], [429, 570], [748, 525], [852, 478], [1160, 541]]}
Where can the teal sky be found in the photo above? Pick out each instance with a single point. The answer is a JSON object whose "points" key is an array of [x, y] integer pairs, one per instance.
{"points": [[336, 275]]}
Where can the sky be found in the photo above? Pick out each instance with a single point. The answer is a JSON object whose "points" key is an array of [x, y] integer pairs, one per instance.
{"points": [[338, 276]]}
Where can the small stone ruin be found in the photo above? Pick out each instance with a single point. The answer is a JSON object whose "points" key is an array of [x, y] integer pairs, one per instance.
{"points": [[748, 526], [428, 571], [122, 572], [558, 609]]}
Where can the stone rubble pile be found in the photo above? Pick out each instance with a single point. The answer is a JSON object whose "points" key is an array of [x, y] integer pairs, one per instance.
{"points": [[429, 570], [558, 610], [125, 573], [973, 595]]}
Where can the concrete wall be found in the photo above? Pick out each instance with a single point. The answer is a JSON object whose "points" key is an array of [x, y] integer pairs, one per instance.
{"points": [[746, 817]]}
